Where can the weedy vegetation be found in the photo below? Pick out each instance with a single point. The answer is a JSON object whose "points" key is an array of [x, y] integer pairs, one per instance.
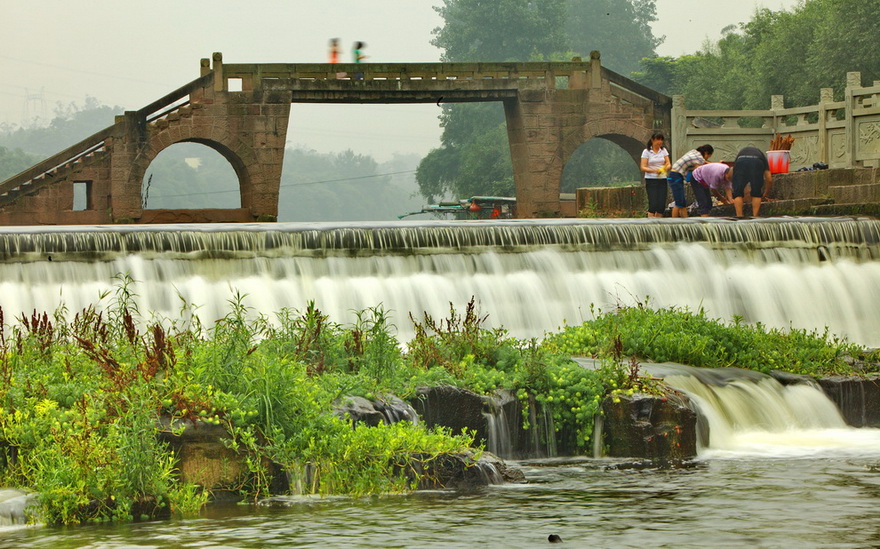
{"points": [[84, 399]]}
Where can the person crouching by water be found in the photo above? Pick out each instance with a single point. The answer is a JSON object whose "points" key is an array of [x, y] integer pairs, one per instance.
{"points": [[712, 178], [680, 170], [655, 163], [750, 168]]}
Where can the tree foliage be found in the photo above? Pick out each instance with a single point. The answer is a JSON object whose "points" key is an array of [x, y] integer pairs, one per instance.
{"points": [[791, 53], [500, 30], [620, 30], [71, 124], [14, 161]]}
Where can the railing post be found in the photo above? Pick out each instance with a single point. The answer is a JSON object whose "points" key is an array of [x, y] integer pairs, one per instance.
{"points": [[679, 126], [777, 103], [853, 81], [826, 95], [595, 70], [219, 79]]}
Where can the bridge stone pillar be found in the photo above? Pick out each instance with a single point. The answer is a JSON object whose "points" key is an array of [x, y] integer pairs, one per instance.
{"points": [[534, 153], [546, 126], [129, 137]]}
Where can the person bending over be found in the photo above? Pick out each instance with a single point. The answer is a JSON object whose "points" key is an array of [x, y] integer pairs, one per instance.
{"points": [[710, 179], [750, 169]]}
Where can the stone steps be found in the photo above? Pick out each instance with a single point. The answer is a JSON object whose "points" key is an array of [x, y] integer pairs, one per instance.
{"points": [[774, 207], [855, 194], [809, 193]]}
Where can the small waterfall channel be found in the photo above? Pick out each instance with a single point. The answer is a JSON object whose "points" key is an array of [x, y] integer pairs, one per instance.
{"points": [[529, 276], [747, 413]]}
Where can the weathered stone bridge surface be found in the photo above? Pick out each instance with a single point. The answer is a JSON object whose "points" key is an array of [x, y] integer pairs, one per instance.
{"points": [[242, 111]]}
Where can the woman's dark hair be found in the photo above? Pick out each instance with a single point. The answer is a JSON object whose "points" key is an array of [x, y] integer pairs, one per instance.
{"points": [[706, 149], [655, 135]]}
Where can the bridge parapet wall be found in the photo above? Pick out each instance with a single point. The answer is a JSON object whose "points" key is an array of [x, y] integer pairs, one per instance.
{"points": [[842, 134]]}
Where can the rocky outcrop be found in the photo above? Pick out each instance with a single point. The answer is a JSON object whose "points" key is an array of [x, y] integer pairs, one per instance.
{"points": [[461, 472], [453, 408], [389, 409], [857, 398], [202, 458], [14, 506], [649, 426], [496, 421]]}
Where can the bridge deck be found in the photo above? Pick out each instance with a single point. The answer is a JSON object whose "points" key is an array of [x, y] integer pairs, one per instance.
{"points": [[422, 82]]}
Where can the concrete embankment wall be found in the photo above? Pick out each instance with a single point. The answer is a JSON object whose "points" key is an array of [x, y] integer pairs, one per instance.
{"points": [[854, 191]]}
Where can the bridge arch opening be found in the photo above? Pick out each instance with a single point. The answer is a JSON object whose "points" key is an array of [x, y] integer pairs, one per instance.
{"points": [[603, 161], [191, 175], [354, 162]]}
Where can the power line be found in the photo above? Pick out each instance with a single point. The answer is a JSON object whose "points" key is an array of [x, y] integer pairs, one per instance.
{"points": [[75, 70], [290, 184]]}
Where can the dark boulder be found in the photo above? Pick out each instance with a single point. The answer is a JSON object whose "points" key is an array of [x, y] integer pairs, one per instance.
{"points": [[650, 426], [857, 398]]}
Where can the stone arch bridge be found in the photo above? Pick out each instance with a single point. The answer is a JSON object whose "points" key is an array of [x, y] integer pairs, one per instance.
{"points": [[242, 112]]}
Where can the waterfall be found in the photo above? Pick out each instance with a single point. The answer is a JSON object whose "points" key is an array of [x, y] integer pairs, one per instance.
{"points": [[750, 413], [529, 276], [499, 441]]}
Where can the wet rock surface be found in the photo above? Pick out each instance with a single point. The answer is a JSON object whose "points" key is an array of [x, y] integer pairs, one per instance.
{"points": [[14, 506], [649, 426]]}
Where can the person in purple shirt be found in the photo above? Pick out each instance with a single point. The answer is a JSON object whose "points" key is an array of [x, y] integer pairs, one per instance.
{"points": [[711, 179]]}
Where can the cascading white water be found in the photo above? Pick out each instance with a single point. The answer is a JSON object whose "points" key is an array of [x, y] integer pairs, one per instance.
{"points": [[749, 413], [499, 442], [529, 276]]}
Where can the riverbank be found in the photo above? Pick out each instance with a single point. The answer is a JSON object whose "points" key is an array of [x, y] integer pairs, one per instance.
{"points": [[832, 192], [272, 408]]}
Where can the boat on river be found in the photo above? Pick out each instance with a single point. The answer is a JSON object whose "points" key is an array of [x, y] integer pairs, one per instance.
{"points": [[475, 207]]}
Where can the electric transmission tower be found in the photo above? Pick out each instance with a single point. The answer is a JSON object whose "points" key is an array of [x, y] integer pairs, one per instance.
{"points": [[34, 109]]}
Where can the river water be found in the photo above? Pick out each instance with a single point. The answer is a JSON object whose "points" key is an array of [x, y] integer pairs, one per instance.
{"points": [[780, 468], [815, 484], [830, 498]]}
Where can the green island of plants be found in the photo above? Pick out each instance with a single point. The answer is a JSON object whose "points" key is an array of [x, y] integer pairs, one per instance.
{"points": [[83, 398]]}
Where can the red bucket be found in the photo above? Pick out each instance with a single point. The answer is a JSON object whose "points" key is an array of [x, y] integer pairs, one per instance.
{"points": [[779, 161]]}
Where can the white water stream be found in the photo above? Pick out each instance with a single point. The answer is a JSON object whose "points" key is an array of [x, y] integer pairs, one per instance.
{"points": [[529, 277], [752, 415]]}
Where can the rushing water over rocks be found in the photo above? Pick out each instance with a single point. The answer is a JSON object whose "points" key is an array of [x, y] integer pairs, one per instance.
{"points": [[742, 412], [529, 276]]}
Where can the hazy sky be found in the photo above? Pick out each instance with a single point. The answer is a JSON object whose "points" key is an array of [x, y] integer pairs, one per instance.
{"points": [[129, 53]]}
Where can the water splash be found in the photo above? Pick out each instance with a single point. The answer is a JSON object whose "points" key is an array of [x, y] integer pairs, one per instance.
{"points": [[499, 441], [752, 414]]}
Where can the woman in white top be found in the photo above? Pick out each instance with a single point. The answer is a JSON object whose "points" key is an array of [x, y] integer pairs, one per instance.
{"points": [[655, 164]]}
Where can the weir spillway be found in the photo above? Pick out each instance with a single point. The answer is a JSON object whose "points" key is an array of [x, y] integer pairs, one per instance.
{"points": [[529, 276]]}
